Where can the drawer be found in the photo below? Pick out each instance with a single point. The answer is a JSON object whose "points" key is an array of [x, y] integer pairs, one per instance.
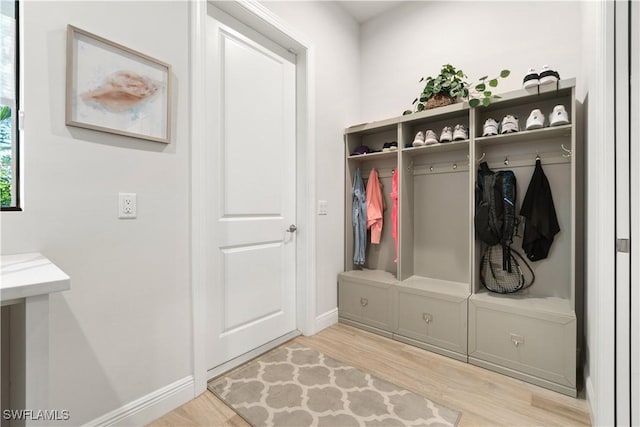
{"points": [[540, 344], [368, 303], [436, 319]]}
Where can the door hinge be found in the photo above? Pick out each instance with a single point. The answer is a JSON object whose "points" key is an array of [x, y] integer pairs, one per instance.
{"points": [[623, 245]]}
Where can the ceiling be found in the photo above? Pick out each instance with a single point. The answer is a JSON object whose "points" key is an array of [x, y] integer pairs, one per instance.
{"points": [[362, 11]]}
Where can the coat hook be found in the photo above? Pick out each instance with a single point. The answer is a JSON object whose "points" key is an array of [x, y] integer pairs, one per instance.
{"points": [[506, 161], [537, 155], [567, 151], [455, 166], [481, 158], [430, 168]]}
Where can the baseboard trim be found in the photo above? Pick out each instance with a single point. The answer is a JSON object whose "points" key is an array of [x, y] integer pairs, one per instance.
{"points": [[150, 407], [590, 397], [325, 320]]}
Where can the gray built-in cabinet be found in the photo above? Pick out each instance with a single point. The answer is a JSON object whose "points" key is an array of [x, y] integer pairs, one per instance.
{"points": [[432, 297]]}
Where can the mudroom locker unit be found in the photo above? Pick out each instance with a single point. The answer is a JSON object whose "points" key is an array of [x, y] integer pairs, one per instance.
{"points": [[432, 296]]}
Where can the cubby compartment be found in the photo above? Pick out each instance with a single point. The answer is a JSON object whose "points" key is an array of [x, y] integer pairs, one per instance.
{"points": [[521, 103], [451, 117], [380, 256], [552, 278], [435, 226]]}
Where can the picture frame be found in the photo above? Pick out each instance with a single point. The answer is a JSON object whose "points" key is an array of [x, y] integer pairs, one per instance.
{"points": [[111, 88]]}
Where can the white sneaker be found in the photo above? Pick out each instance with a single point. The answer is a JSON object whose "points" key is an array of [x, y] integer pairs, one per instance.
{"points": [[418, 141], [490, 128], [558, 116], [548, 76], [460, 133], [430, 137], [446, 135], [535, 120], [510, 124], [531, 79]]}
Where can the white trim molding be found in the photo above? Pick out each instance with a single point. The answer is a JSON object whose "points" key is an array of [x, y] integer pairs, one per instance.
{"points": [[256, 16], [150, 407], [326, 319]]}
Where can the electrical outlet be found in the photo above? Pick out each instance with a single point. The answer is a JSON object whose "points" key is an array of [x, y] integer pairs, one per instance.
{"points": [[323, 207], [127, 205]]}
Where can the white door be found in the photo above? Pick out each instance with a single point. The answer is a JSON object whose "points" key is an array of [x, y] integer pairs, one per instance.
{"points": [[251, 272]]}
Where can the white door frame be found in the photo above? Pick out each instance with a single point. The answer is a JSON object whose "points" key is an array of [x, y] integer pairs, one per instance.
{"points": [[635, 213], [256, 16]]}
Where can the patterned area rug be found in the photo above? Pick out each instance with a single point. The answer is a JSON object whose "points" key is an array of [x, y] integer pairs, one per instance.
{"points": [[298, 386]]}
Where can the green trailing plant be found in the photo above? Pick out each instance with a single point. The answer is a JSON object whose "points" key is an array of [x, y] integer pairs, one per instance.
{"points": [[453, 83]]}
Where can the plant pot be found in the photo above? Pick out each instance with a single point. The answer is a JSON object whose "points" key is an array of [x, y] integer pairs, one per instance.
{"points": [[438, 100]]}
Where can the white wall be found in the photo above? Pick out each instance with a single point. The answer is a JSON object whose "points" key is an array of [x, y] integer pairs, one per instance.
{"points": [[334, 36], [124, 328], [415, 39]]}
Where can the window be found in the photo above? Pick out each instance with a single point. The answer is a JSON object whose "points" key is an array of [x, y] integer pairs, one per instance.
{"points": [[9, 160]]}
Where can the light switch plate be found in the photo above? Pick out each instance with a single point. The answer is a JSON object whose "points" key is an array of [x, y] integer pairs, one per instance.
{"points": [[323, 207]]}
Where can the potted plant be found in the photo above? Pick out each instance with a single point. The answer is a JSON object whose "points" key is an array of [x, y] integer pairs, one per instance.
{"points": [[452, 85]]}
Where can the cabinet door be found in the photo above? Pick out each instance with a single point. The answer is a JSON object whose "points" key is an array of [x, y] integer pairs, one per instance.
{"points": [[433, 319], [365, 303], [540, 344]]}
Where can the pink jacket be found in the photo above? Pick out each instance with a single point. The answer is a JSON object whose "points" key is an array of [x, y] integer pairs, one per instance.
{"points": [[375, 206]]}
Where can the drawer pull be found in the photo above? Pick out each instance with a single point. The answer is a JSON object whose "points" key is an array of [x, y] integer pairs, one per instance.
{"points": [[427, 317], [364, 302], [517, 339]]}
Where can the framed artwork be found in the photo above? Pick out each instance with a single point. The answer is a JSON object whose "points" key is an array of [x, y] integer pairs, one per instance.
{"points": [[112, 88]]}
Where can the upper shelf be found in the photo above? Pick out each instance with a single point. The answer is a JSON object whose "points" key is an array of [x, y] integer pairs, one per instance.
{"points": [[437, 148], [563, 87], [371, 156], [526, 136]]}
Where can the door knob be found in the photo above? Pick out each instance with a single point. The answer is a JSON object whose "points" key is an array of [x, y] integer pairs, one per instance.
{"points": [[292, 229]]}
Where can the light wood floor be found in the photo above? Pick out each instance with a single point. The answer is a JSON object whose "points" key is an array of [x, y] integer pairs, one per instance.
{"points": [[484, 397]]}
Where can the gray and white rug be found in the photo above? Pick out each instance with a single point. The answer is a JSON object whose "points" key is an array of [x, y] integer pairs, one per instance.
{"points": [[298, 386]]}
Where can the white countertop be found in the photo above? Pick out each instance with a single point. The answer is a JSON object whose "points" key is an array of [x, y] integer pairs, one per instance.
{"points": [[27, 275]]}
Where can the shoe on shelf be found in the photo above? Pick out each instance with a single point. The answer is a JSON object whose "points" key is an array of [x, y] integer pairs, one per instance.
{"points": [[490, 127], [509, 124], [386, 147], [558, 116], [408, 145], [446, 135], [535, 120], [531, 79], [393, 146], [548, 76], [362, 149], [418, 141], [430, 137], [460, 133]]}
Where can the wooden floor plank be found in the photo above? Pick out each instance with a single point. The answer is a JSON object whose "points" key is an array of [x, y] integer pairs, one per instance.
{"points": [[483, 397]]}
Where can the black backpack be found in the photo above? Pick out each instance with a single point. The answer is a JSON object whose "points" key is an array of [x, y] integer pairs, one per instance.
{"points": [[495, 222], [495, 219]]}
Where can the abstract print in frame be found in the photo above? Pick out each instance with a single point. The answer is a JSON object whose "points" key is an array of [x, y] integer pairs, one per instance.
{"points": [[114, 89]]}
